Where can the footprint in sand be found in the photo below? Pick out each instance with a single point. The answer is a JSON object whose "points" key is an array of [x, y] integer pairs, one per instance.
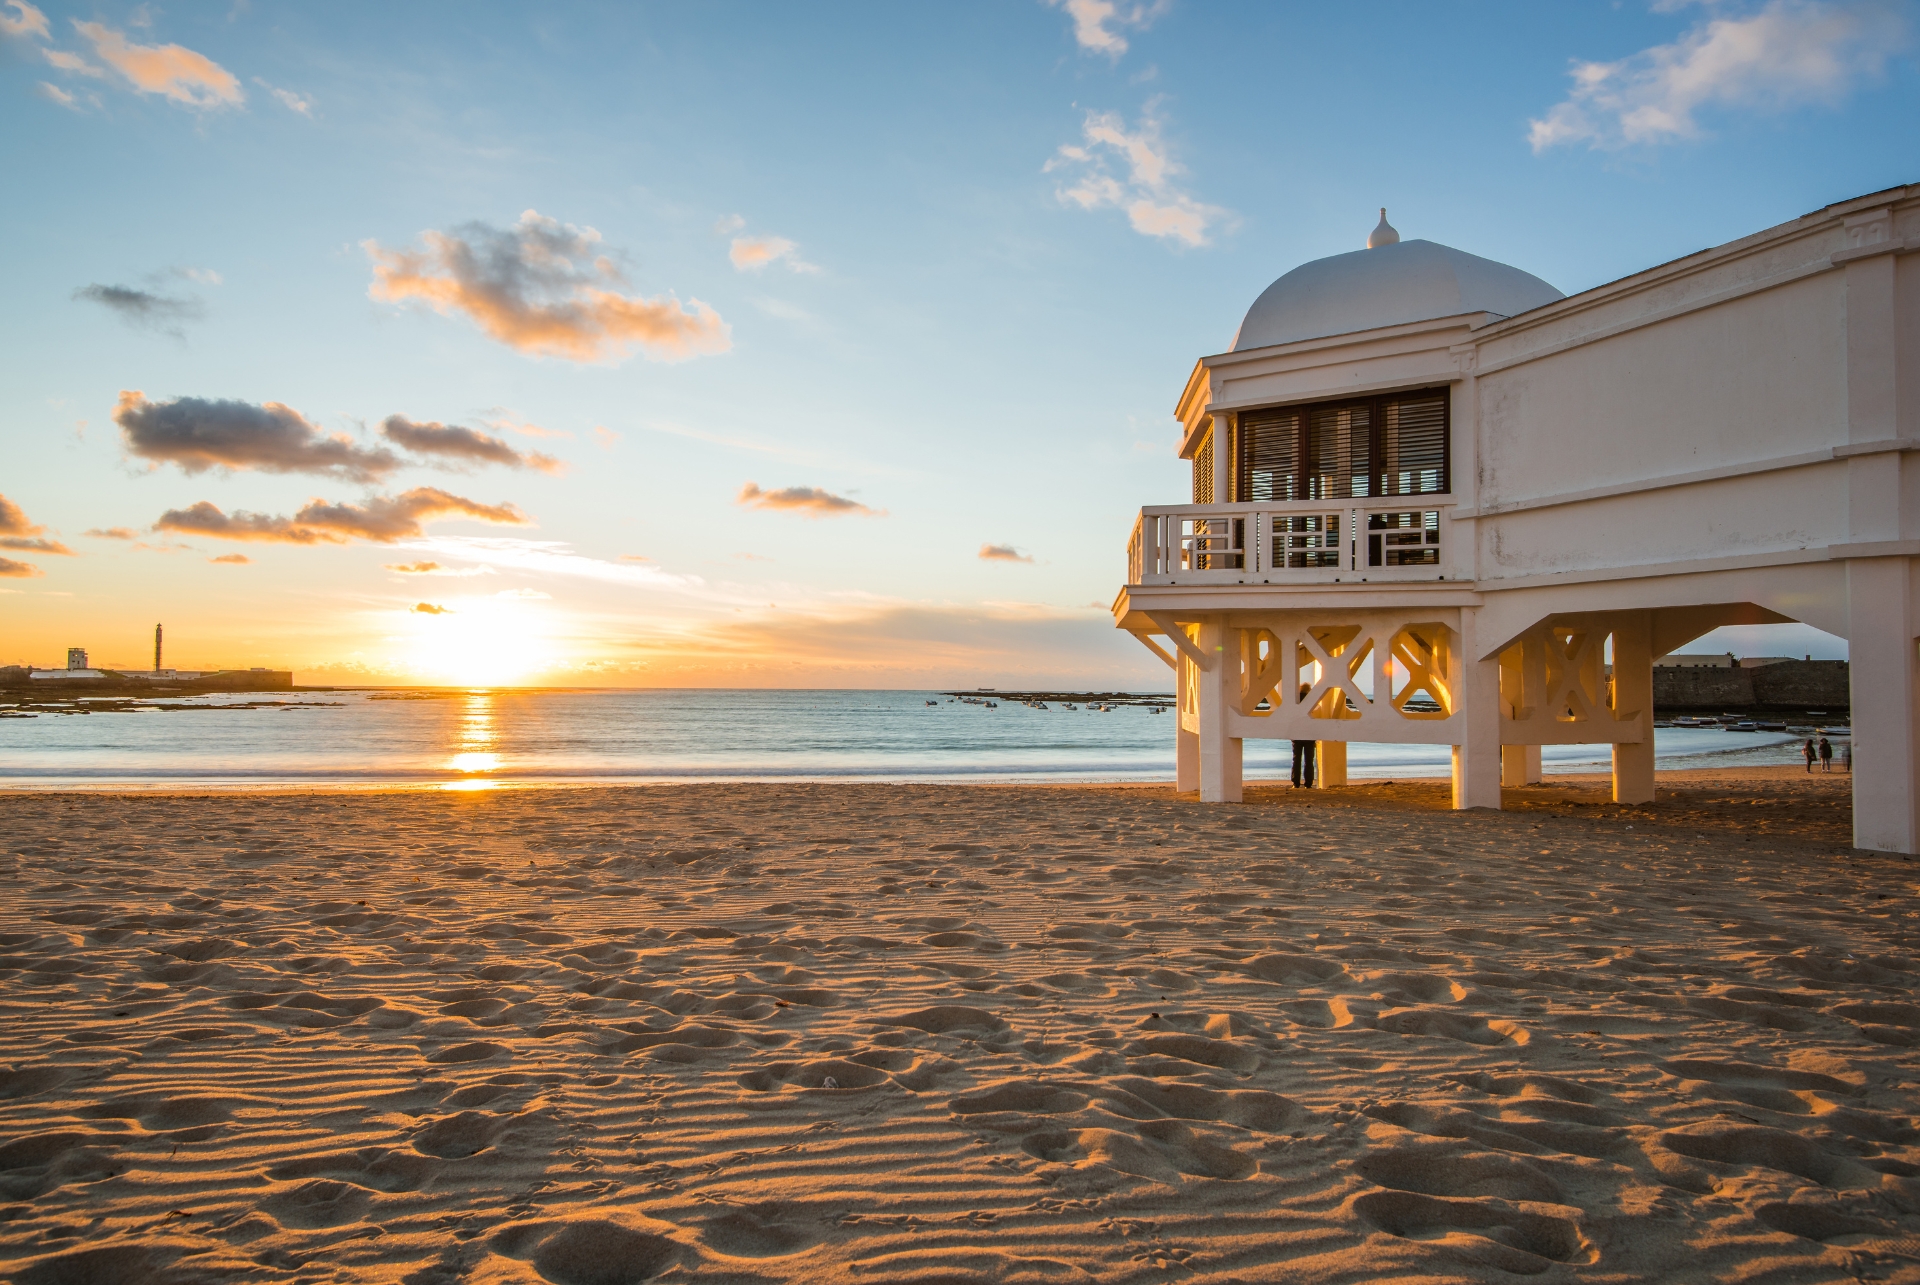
{"points": [[321, 1202], [1491, 1233], [32, 1166], [1449, 1170], [590, 1251], [455, 1137], [773, 1229], [376, 1168], [830, 1075], [1197, 1049]]}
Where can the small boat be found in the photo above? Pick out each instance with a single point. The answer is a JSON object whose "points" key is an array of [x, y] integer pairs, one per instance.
{"points": [[933, 702]]}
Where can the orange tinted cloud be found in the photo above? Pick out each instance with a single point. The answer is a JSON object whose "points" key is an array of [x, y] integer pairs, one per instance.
{"points": [[543, 287], [1003, 553], [13, 520], [198, 433], [112, 533], [461, 445], [171, 71], [231, 560], [751, 253], [18, 570], [809, 501], [380, 520], [31, 21], [429, 609], [18, 533]]}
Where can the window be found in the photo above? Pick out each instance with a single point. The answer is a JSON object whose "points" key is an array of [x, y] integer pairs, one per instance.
{"points": [[1390, 445]]}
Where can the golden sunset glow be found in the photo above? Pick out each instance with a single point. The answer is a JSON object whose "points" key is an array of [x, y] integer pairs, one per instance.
{"points": [[480, 642]]}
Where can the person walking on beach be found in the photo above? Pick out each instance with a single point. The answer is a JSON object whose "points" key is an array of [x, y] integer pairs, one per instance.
{"points": [[1303, 762], [1846, 758], [1811, 753], [1826, 755]]}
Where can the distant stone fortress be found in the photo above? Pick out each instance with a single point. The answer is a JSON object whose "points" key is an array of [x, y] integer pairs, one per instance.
{"points": [[83, 678], [1760, 684]]}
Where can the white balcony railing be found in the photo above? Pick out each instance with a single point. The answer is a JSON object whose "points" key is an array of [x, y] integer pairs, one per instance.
{"points": [[1402, 537]]}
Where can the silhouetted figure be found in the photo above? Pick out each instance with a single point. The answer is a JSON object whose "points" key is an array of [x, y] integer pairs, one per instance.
{"points": [[1846, 757], [1303, 762], [1810, 752], [1826, 755]]}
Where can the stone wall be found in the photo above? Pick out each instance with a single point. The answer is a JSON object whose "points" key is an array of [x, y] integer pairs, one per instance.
{"points": [[1809, 684]]}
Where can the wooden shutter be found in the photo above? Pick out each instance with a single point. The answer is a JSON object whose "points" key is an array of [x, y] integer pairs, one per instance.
{"points": [[1391, 445], [1414, 444], [1203, 471], [1270, 455], [1339, 441]]}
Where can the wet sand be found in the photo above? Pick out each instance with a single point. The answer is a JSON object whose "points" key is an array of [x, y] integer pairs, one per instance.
{"points": [[957, 1034]]}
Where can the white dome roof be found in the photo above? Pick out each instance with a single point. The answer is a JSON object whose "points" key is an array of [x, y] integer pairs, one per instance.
{"points": [[1388, 285]]}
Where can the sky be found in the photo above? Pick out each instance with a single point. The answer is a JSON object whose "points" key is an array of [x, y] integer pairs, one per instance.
{"points": [[757, 345]]}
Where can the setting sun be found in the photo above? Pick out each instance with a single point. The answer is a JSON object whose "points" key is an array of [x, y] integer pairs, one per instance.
{"points": [[483, 642]]}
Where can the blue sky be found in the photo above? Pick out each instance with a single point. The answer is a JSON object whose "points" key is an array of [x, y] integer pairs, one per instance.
{"points": [[927, 277]]}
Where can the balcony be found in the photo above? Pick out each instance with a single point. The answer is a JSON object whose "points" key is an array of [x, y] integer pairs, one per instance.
{"points": [[1300, 542]]}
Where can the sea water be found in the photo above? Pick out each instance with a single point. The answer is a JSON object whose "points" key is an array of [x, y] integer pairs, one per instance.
{"points": [[475, 738]]}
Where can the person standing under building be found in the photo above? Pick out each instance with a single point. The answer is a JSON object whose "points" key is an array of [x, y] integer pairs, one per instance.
{"points": [[1810, 752], [1826, 755], [1304, 756], [1846, 757]]}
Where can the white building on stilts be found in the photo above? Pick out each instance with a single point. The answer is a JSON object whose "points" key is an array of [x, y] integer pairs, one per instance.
{"points": [[1433, 498]]}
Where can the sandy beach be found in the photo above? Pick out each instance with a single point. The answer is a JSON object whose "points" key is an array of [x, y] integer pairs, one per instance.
{"points": [[958, 1034]]}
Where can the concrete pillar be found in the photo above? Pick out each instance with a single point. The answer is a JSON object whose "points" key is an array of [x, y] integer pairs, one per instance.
{"points": [[1519, 764], [1220, 754], [1886, 728], [1186, 744], [1633, 694], [1332, 767], [1476, 687]]}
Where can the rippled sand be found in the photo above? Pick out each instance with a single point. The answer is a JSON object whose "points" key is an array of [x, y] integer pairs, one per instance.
{"points": [[952, 1034]]}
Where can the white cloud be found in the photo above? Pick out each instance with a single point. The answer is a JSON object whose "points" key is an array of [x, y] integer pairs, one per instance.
{"points": [[1093, 21], [55, 94], [29, 22], [1155, 204], [72, 62], [728, 224], [300, 103], [548, 557], [172, 71], [752, 253], [1787, 53], [543, 288]]}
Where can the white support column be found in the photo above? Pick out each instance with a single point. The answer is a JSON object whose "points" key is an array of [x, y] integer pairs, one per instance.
{"points": [[1223, 452], [1633, 694], [1881, 593], [1220, 754], [1886, 729], [1186, 745], [1332, 766], [1519, 764], [1476, 693]]}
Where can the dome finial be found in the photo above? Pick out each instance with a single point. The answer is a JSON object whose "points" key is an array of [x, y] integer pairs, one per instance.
{"points": [[1383, 234]]}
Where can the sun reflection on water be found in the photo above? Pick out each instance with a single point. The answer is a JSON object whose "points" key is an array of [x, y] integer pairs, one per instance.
{"points": [[474, 750]]}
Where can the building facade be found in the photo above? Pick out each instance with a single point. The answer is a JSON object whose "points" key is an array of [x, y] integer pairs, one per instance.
{"points": [[1433, 500]]}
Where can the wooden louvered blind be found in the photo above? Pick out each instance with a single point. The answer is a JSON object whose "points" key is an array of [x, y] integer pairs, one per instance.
{"points": [[1390, 445], [1270, 456], [1203, 472], [1413, 445]]}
